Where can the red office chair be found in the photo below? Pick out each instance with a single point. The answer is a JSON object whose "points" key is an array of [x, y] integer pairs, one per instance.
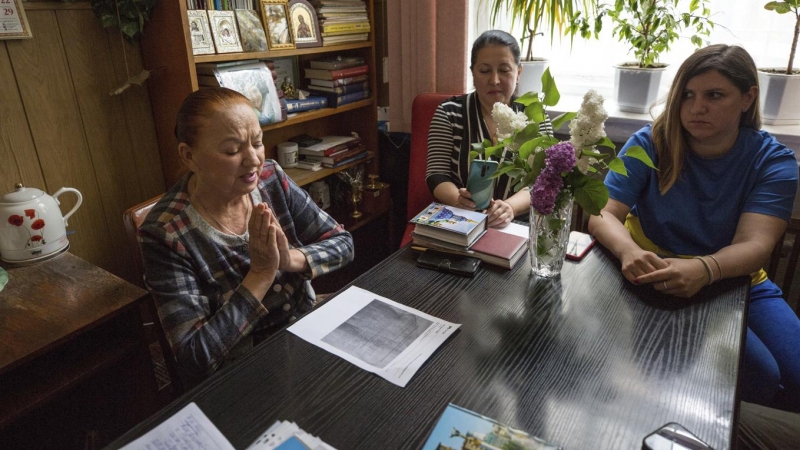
{"points": [[418, 194]]}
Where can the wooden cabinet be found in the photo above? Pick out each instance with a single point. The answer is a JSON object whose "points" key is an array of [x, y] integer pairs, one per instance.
{"points": [[168, 55]]}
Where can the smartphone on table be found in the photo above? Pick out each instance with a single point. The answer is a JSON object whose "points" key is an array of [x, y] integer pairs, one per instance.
{"points": [[480, 183], [579, 245]]}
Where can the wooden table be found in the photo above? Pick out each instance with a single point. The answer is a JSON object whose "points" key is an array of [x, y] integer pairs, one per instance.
{"points": [[586, 361], [71, 348]]}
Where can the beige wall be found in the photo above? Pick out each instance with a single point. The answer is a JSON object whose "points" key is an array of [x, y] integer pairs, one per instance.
{"points": [[60, 127]]}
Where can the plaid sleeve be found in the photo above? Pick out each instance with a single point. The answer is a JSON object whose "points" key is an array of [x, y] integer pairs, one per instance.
{"points": [[199, 339]]}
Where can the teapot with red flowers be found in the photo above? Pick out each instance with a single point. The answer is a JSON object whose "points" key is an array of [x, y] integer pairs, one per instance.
{"points": [[32, 227]]}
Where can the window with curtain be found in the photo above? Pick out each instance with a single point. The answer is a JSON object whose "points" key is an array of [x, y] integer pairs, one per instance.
{"points": [[766, 35]]}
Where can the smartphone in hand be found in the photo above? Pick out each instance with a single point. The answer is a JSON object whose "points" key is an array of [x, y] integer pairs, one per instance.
{"points": [[479, 183], [579, 245]]}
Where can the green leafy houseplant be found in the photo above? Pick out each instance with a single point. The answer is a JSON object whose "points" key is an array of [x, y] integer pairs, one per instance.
{"points": [[784, 7], [539, 16], [129, 15], [649, 27]]}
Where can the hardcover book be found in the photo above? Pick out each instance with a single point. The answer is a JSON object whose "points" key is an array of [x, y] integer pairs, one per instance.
{"points": [[335, 100], [329, 145], [306, 104], [339, 62], [354, 158], [337, 83], [499, 247], [336, 157], [323, 74], [461, 428], [341, 90], [450, 224]]}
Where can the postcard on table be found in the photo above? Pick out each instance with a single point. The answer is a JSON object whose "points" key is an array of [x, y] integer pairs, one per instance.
{"points": [[461, 428], [374, 333], [187, 429]]}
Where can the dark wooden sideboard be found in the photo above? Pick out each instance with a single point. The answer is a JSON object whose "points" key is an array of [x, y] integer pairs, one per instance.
{"points": [[75, 370]]}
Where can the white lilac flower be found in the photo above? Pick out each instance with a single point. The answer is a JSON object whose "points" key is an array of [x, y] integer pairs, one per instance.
{"points": [[507, 120], [584, 162], [588, 126]]}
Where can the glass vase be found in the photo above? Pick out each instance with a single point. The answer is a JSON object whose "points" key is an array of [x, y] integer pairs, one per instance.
{"points": [[549, 234]]}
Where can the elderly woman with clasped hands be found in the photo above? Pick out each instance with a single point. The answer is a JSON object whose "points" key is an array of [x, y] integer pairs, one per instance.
{"points": [[230, 249]]}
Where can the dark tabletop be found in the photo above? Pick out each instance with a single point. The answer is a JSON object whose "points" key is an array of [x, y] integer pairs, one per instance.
{"points": [[586, 360]]}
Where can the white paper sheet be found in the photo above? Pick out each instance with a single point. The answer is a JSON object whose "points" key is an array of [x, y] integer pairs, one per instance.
{"points": [[187, 429], [374, 333], [516, 229]]}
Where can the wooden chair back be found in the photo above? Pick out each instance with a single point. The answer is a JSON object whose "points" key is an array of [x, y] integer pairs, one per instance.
{"points": [[133, 218], [792, 253]]}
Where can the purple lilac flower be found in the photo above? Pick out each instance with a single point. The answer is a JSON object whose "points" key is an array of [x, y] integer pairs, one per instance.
{"points": [[560, 158]]}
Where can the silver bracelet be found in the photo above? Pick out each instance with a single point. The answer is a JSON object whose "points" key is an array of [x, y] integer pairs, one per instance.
{"points": [[708, 269]]}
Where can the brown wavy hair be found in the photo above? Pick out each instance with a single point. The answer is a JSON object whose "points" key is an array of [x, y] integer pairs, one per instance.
{"points": [[669, 136]]}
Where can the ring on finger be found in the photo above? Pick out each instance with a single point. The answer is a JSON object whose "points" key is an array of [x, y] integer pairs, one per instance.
{"points": [[665, 285]]}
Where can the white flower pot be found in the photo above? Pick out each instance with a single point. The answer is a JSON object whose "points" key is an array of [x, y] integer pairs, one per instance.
{"points": [[636, 89], [779, 98], [531, 78]]}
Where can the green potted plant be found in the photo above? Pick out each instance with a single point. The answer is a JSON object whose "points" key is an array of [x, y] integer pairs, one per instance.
{"points": [[537, 17], [780, 87], [649, 27]]}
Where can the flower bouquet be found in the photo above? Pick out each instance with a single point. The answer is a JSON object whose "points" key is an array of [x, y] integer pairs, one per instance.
{"points": [[557, 172]]}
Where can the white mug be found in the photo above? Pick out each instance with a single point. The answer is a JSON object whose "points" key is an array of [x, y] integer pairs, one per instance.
{"points": [[287, 154]]}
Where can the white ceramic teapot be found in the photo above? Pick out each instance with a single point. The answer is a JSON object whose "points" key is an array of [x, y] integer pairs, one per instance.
{"points": [[31, 225]]}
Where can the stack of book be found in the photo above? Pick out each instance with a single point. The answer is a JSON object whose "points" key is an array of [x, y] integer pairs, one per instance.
{"points": [[333, 151], [249, 78], [342, 21], [464, 232], [342, 79]]}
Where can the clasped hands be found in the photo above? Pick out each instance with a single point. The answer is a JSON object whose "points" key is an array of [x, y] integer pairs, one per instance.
{"points": [[675, 276], [269, 247], [499, 212]]}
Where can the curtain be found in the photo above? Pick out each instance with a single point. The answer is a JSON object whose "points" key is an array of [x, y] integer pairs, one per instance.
{"points": [[427, 52]]}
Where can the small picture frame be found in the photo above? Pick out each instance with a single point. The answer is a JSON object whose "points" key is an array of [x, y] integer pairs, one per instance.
{"points": [[275, 16], [200, 32], [13, 21], [288, 79], [225, 31], [251, 31], [305, 27]]}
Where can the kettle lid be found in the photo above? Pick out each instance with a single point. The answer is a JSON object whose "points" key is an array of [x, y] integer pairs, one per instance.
{"points": [[21, 194]]}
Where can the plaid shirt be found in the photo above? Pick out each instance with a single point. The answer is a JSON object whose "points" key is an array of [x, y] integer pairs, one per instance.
{"points": [[195, 272]]}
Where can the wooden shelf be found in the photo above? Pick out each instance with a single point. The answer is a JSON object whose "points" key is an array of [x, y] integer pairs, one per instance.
{"points": [[225, 57], [317, 114], [303, 177]]}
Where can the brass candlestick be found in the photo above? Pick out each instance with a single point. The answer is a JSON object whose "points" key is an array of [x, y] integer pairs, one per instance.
{"points": [[373, 184], [355, 197]]}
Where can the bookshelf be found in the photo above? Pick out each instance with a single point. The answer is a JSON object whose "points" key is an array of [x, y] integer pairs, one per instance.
{"points": [[167, 53]]}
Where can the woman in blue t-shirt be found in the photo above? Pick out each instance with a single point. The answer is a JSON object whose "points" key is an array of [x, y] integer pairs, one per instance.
{"points": [[719, 202]]}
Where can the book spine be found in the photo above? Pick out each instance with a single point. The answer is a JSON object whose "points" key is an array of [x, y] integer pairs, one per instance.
{"points": [[307, 104], [341, 90], [339, 82], [336, 157], [340, 100], [355, 158], [360, 27]]}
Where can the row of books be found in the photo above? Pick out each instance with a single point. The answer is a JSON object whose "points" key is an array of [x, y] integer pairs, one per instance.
{"points": [[342, 21], [463, 232], [222, 4], [333, 82], [332, 151]]}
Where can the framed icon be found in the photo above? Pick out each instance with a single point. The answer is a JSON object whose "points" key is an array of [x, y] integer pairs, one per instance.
{"points": [[225, 31], [275, 15], [305, 27], [200, 32]]}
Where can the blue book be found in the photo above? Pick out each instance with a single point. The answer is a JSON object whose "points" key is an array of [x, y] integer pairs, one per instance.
{"points": [[335, 100], [306, 104]]}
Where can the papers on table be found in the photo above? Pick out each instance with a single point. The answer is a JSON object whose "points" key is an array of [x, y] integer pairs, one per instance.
{"points": [[516, 229], [188, 429], [375, 333]]}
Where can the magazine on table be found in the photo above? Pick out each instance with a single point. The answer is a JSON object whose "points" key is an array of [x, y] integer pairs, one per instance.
{"points": [[460, 428]]}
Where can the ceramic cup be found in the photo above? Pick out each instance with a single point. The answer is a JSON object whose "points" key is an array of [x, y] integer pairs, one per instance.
{"points": [[287, 154]]}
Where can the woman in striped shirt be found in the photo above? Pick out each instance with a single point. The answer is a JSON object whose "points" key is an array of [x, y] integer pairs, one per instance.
{"points": [[466, 119]]}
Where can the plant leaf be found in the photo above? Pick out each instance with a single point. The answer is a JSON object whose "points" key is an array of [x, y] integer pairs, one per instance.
{"points": [[551, 94], [562, 118], [618, 166], [637, 152], [591, 194]]}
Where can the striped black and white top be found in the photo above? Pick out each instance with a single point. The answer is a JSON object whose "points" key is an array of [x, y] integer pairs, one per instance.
{"points": [[456, 124]]}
